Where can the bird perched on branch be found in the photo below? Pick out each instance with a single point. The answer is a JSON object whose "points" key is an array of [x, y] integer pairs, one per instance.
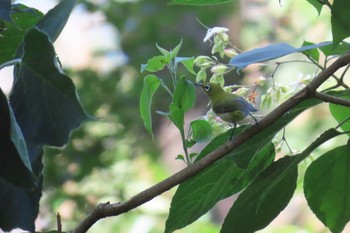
{"points": [[228, 106]]}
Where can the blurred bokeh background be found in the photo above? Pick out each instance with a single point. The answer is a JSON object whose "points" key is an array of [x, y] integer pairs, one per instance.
{"points": [[113, 158]]}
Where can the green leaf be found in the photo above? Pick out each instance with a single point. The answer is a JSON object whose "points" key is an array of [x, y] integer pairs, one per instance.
{"points": [[199, 194], [43, 99], [150, 86], [327, 188], [177, 117], [338, 49], [184, 95], [198, 2], [10, 39], [341, 113], [188, 62], [201, 130], [176, 50], [263, 199], [317, 5], [155, 64], [55, 19], [15, 165], [313, 53], [340, 20], [163, 51]]}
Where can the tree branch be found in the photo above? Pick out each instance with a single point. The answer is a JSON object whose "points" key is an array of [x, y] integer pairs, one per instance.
{"points": [[108, 210], [332, 99]]}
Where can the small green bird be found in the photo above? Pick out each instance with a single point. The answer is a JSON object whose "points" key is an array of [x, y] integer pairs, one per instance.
{"points": [[229, 107]]}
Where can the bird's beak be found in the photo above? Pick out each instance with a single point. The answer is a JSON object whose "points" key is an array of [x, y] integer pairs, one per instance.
{"points": [[197, 84]]}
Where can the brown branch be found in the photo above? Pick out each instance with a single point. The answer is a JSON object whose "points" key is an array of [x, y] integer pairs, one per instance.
{"points": [[108, 210], [332, 99]]}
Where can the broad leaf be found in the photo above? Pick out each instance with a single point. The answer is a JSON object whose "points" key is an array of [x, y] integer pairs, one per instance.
{"points": [[327, 188], [156, 63], [15, 166], [338, 49], [43, 99], [150, 86], [263, 199], [201, 130], [269, 52], [184, 95], [188, 62], [198, 2], [340, 114], [199, 194], [55, 19], [23, 19], [5, 10], [313, 53], [20, 207], [340, 20], [317, 5]]}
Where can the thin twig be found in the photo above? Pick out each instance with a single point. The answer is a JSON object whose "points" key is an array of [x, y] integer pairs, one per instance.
{"points": [[108, 210]]}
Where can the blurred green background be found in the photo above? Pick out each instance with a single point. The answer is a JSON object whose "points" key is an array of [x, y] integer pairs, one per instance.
{"points": [[113, 158]]}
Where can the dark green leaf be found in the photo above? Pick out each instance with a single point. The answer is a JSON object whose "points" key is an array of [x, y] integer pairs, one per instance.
{"points": [[15, 165], [184, 95], [10, 39], [340, 20], [317, 5], [43, 99], [55, 19], [201, 130], [199, 194], [20, 207], [150, 86], [268, 53], [327, 188], [341, 113], [263, 199], [5, 10], [156, 63], [198, 2]]}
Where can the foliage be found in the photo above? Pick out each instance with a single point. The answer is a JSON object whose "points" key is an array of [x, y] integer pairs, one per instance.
{"points": [[43, 109]]}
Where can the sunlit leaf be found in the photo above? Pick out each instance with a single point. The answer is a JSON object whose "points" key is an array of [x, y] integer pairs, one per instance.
{"points": [[10, 39], [184, 95], [326, 188], [188, 62], [263, 199], [201, 130], [156, 63], [150, 86], [268, 53]]}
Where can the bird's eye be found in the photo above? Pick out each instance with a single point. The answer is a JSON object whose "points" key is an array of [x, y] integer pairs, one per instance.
{"points": [[206, 87]]}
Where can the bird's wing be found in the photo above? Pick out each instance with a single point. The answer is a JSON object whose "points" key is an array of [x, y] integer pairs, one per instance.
{"points": [[234, 105]]}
